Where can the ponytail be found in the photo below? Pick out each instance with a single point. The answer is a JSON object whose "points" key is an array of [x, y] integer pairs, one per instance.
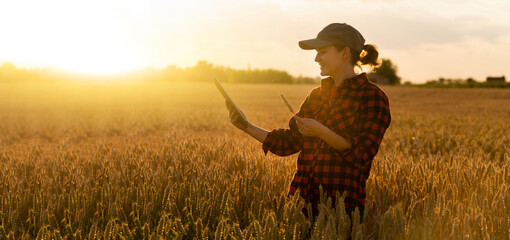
{"points": [[368, 56]]}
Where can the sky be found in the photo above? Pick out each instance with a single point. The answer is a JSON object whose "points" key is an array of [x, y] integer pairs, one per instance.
{"points": [[424, 39]]}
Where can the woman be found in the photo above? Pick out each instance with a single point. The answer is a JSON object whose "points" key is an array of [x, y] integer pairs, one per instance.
{"points": [[339, 126]]}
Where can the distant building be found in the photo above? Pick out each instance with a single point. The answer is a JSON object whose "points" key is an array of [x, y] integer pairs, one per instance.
{"points": [[496, 79]]}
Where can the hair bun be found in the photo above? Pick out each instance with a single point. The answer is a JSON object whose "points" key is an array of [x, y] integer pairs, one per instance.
{"points": [[369, 55]]}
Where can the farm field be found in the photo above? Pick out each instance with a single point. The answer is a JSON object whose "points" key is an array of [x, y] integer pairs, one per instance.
{"points": [[160, 160]]}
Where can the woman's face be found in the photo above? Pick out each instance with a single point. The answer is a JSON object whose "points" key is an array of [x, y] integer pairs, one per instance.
{"points": [[331, 60]]}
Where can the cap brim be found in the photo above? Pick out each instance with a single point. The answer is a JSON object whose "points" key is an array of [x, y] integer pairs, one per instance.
{"points": [[313, 44]]}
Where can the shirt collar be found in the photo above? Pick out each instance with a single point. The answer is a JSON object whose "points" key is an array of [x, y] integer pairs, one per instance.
{"points": [[354, 82]]}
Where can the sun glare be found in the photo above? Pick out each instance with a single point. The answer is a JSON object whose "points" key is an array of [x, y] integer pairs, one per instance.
{"points": [[86, 37], [99, 66]]}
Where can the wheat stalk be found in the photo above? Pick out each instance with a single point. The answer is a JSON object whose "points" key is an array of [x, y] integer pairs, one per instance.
{"points": [[419, 185], [287, 103]]}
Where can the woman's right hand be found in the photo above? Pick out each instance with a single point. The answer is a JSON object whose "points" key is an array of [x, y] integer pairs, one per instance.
{"points": [[235, 118]]}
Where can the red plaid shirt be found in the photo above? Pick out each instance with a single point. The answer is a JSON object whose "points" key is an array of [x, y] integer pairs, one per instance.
{"points": [[356, 110]]}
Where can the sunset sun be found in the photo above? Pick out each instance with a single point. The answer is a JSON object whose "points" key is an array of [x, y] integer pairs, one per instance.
{"points": [[88, 38], [99, 61]]}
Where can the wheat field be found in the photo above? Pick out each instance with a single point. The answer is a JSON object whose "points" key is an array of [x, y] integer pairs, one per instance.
{"points": [[161, 161]]}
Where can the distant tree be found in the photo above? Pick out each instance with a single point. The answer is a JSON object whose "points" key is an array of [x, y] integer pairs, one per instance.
{"points": [[388, 70], [432, 82]]}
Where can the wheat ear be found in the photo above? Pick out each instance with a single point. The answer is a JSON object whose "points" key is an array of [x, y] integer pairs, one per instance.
{"points": [[287, 103]]}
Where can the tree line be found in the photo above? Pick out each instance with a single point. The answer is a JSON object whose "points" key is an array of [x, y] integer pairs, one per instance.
{"points": [[459, 83], [201, 71]]}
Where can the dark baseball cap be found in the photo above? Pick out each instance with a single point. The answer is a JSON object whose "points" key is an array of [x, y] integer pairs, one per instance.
{"points": [[336, 33]]}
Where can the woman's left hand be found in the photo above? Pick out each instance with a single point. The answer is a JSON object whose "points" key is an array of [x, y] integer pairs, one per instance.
{"points": [[310, 127]]}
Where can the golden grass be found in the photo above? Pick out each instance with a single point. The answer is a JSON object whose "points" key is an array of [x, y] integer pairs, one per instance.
{"points": [[161, 159]]}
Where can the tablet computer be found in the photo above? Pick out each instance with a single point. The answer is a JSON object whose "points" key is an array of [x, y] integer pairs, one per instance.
{"points": [[227, 97]]}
